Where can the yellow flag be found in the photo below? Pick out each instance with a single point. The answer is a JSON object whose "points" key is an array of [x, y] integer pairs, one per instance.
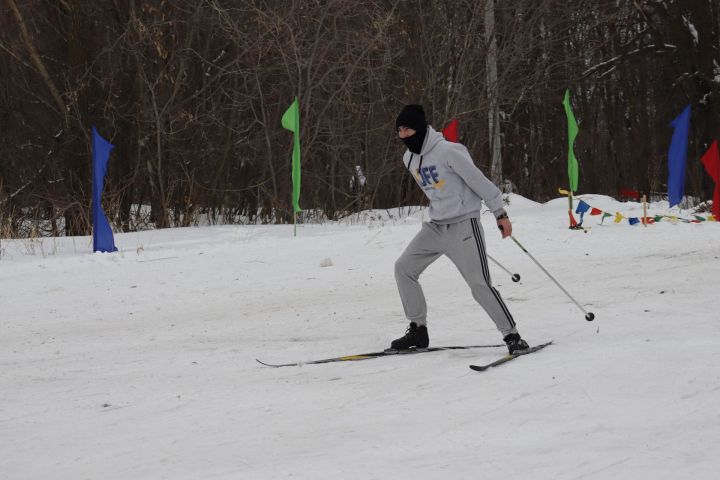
{"points": [[618, 217]]}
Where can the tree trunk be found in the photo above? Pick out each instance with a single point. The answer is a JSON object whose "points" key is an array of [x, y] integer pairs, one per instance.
{"points": [[496, 169]]}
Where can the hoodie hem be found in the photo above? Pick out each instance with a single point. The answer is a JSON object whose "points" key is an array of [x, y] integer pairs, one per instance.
{"points": [[461, 218]]}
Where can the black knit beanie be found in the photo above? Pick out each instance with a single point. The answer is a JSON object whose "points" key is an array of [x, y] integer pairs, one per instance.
{"points": [[413, 116]]}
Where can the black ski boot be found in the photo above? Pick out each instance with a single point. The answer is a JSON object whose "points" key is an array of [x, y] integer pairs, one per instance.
{"points": [[515, 344], [415, 337]]}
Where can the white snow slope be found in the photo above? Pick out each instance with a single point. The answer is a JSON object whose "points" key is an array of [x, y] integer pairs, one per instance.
{"points": [[141, 364]]}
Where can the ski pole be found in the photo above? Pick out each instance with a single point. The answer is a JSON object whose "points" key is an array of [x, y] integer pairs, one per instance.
{"points": [[589, 316], [515, 276]]}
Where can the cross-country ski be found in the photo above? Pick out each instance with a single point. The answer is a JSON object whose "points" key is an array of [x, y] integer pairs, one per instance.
{"points": [[384, 353], [509, 356]]}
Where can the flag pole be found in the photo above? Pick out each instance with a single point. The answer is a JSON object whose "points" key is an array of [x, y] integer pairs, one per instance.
{"points": [[644, 200]]}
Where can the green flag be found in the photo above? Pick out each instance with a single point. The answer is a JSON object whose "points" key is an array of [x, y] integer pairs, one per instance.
{"points": [[291, 121], [572, 133]]}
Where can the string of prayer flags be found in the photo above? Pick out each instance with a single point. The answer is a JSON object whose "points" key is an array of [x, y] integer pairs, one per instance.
{"points": [[583, 207]]}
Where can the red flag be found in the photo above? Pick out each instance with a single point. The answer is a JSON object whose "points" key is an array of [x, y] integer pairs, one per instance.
{"points": [[595, 211], [711, 160], [573, 222], [626, 192], [451, 131]]}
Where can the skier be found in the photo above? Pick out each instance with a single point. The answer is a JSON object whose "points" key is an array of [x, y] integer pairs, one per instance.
{"points": [[456, 189]]}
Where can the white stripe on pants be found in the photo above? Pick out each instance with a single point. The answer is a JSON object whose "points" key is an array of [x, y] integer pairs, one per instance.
{"points": [[464, 244]]}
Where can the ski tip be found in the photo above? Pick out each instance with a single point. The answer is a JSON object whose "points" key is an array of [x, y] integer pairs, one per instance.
{"points": [[266, 364], [278, 365], [479, 368]]}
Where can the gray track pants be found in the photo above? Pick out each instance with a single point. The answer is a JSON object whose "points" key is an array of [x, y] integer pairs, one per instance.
{"points": [[464, 244]]}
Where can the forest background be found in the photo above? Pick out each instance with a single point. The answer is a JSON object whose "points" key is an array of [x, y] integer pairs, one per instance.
{"points": [[191, 93]]}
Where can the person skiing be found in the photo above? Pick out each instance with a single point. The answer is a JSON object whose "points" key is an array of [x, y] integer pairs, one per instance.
{"points": [[456, 189]]}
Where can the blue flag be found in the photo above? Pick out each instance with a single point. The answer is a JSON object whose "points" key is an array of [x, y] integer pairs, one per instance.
{"points": [[102, 233], [677, 157], [581, 209]]}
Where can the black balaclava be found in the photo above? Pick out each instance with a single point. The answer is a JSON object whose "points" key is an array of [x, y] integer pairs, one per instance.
{"points": [[413, 116]]}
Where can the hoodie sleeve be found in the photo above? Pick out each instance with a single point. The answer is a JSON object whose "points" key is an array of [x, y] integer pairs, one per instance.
{"points": [[459, 161]]}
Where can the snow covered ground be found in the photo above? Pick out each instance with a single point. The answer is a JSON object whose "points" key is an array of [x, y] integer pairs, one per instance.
{"points": [[141, 364]]}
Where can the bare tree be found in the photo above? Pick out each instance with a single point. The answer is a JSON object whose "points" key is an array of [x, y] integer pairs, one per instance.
{"points": [[191, 93]]}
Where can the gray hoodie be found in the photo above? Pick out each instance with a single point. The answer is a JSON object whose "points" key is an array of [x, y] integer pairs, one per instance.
{"points": [[455, 186]]}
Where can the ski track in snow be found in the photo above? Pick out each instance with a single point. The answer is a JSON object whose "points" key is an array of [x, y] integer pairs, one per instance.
{"points": [[141, 364]]}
